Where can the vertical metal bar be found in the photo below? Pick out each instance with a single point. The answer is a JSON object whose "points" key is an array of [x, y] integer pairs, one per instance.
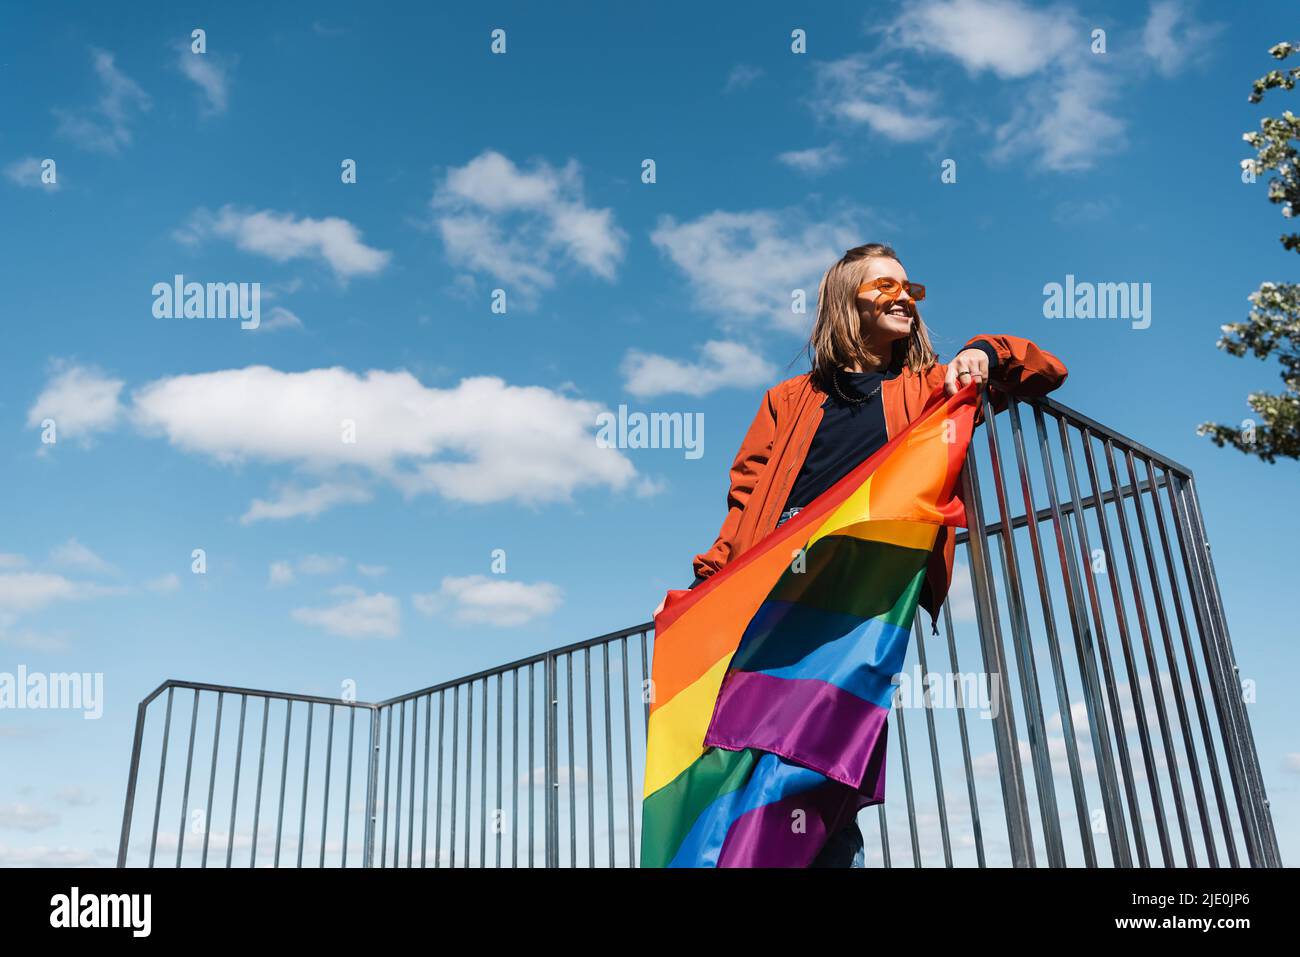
{"points": [[627, 764], [1126, 645], [189, 766], [1063, 705], [401, 767], [410, 814], [886, 859], [424, 810], [976, 829], [514, 769], [306, 766], [162, 773], [1026, 668], [388, 777], [1263, 837], [437, 820], [234, 794], [1153, 667], [284, 778], [212, 781], [934, 740], [325, 808], [261, 768], [482, 790], [1093, 699], [131, 776], [591, 777], [552, 734], [532, 767], [1176, 680], [455, 778], [372, 790], [1190, 543], [498, 811], [645, 675], [347, 784], [609, 758], [1006, 742], [907, 778], [1104, 654], [1193, 673], [469, 764], [573, 803]]}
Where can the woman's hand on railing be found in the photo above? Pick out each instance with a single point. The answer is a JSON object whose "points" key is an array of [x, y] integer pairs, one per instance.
{"points": [[967, 365]]}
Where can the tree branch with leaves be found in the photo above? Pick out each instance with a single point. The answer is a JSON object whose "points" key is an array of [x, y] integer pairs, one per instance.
{"points": [[1273, 325]]}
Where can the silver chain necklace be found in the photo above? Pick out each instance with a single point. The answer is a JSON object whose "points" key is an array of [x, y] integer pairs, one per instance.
{"points": [[835, 384]]}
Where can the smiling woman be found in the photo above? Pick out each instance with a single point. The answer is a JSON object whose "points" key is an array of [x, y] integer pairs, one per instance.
{"points": [[873, 367]]}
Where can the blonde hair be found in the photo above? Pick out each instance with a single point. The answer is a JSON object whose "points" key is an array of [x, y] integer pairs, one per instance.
{"points": [[836, 339]]}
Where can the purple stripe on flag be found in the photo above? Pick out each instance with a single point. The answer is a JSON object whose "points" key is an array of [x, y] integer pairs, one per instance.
{"points": [[790, 832], [812, 723], [766, 836]]}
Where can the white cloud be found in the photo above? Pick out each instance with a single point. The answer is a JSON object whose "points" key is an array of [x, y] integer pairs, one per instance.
{"points": [[1008, 37], [1064, 123], [817, 159], [27, 171], [279, 318], [1173, 39], [30, 591], [1061, 93], [321, 564], [482, 599], [75, 796], [721, 364], [286, 572], [359, 615], [372, 571], [480, 441], [742, 75], [80, 400], [10, 560], [281, 574], [164, 583], [520, 226], [105, 127], [210, 72], [294, 502], [74, 553], [283, 236], [863, 90], [26, 817], [45, 856], [744, 266]]}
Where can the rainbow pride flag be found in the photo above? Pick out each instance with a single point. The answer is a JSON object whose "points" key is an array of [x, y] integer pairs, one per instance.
{"points": [[771, 683]]}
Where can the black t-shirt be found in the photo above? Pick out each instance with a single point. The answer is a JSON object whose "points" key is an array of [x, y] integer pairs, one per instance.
{"points": [[847, 435]]}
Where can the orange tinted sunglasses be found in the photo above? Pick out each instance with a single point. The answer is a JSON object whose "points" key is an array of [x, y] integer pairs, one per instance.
{"points": [[893, 287]]}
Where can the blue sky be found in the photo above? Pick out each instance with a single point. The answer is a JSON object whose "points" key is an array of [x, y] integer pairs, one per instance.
{"points": [[371, 560]]}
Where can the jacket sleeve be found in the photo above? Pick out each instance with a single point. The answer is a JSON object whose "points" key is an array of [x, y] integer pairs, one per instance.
{"points": [[1023, 367], [747, 466]]}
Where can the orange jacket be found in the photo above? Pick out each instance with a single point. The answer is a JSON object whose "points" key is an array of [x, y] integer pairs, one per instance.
{"points": [[773, 449]]}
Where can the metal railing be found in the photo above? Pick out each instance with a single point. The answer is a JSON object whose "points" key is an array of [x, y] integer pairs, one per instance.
{"points": [[1085, 586]]}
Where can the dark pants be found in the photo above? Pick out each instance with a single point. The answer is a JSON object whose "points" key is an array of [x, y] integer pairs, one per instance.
{"points": [[843, 849]]}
